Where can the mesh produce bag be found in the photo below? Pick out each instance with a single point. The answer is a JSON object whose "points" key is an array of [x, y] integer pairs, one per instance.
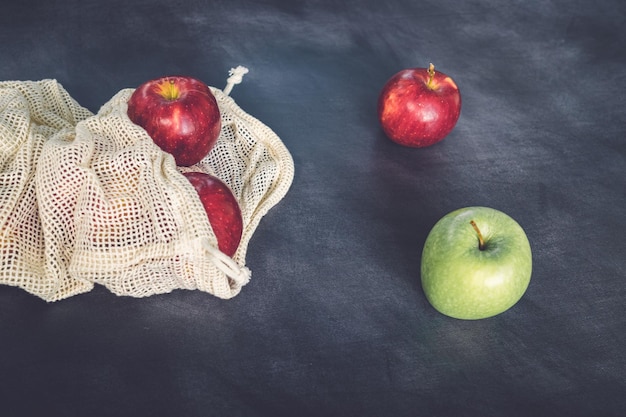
{"points": [[89, 199]]}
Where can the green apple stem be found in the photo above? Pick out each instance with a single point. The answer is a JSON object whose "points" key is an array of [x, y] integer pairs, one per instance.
{"points": [[431, 75], [481, 240]]}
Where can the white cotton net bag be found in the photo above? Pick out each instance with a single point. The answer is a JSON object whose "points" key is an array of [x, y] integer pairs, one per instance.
{"points": [[90, 199]]}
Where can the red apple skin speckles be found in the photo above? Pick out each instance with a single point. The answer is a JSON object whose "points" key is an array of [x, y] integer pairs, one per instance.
{"points": [[222, 210], [180, 114], [418, 108]]}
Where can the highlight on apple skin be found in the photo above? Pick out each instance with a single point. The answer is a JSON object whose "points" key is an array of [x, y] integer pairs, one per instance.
{"points": [[419, 107], [180, 114], [476, 263]]}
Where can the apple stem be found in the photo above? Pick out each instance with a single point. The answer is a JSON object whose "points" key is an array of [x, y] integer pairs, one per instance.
{"points": [[481, 240], [168, 90], [431, 75]]}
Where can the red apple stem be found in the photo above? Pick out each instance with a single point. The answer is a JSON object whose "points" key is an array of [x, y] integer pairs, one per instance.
{"points": [[481, 240], [431, 74], [168, 90]]}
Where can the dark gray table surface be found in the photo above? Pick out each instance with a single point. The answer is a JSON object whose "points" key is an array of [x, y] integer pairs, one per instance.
{"points": [[334, 321]]}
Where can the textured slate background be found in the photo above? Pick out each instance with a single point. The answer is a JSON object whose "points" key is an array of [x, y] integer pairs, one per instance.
{"points": [[334, 321]]}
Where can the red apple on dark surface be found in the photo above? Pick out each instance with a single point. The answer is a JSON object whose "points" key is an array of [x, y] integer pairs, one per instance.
{"points": [[180, 114], [418, 107], [222, 210]]}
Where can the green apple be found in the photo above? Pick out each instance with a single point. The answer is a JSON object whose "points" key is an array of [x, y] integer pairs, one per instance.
{"points": [[476, 263]]}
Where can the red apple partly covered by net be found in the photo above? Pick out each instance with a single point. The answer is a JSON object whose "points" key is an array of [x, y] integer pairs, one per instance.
{"points": [[418, 107], [222, 210], [180, 114]]}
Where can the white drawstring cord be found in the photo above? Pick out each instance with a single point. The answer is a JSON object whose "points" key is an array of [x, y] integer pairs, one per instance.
{"points": [[235, 77], [240, 275]]}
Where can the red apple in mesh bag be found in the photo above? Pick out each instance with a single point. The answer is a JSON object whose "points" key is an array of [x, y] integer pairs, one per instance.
{"points": [[418, 107], [222, 210], [180, 114]]}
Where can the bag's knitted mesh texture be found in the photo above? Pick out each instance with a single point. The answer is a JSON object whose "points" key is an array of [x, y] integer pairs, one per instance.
{"points": [[90, 199]]}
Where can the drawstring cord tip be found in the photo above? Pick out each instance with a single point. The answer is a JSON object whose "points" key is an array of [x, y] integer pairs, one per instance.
{"points": [[235, 77]]}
